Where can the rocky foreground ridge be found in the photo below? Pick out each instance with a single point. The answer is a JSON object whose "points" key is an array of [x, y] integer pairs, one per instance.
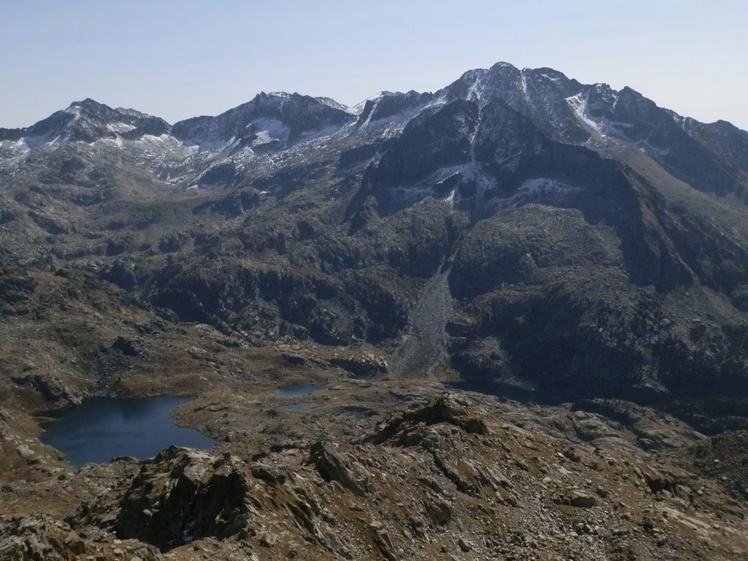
{"points": [[395, 471]]}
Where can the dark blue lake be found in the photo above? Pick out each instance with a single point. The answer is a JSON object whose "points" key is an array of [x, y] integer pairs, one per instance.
{"points": [[103, 428]]}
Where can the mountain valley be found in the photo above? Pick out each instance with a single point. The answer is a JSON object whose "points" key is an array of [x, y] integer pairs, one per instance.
{"points": [[577, 254]]}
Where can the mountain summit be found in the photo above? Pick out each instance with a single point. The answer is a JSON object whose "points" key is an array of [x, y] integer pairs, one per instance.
{"points": [[88, 121]]}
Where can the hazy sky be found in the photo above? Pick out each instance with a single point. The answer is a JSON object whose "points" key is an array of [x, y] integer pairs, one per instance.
{"points": [[182, 58]]}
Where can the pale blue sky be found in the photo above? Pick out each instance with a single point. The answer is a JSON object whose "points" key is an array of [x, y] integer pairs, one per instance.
{"points": [[181, 58]]}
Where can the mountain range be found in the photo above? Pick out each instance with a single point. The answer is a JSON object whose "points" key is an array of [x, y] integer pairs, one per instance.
{"points": [[513, 314], [515, 227]]}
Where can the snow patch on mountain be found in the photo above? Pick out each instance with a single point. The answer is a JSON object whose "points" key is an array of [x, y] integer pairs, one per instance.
{"points": [[443, 174], [208, 143], [267, 131], [120, 127], [450, 199], [584, 109], [75, 109], [540, 190], [335, 105], [605, 101], [13, 153], [501, 81], [578, 104], [310, 136], [548, 75], [37, 141], [389, 110]]}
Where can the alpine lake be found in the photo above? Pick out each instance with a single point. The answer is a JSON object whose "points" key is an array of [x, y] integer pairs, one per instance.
{"points": [[103, 428]]}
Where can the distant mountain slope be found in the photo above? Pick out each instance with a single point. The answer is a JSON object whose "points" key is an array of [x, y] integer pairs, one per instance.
{"points": [[575, 239]]}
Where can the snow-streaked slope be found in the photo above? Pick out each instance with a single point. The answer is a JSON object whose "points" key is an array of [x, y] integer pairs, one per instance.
{"points": [[271, 128]]}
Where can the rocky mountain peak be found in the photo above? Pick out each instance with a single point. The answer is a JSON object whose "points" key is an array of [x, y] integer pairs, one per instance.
{"points": [[268, 122], [89, 121], [90, 105], [389, 107]]}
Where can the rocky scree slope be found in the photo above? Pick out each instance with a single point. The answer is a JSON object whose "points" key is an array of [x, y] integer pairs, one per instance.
{"points": [[592, 243]]}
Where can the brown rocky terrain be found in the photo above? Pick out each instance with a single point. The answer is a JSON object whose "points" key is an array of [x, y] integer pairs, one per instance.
{"points": [[387, 470]]}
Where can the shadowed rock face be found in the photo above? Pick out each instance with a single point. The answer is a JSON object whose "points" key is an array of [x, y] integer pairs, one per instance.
{"points": [[515, 226], [434, 140], [182, 496]]}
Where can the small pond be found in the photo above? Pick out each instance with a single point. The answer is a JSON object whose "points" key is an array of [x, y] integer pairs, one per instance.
{"points": [[103, 428], [298, 389]]}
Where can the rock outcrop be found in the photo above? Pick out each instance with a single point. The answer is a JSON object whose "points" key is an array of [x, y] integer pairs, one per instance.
{"points": [[403, 472], [178, 497]]}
